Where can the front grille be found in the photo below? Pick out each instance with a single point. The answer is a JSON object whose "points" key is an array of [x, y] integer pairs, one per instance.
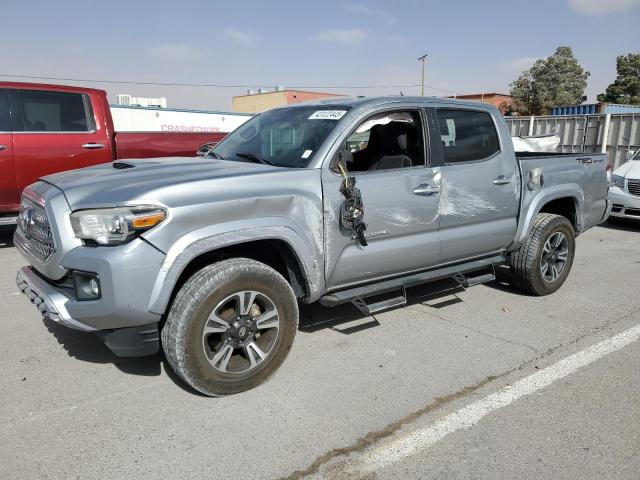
{"points": [[634, 187], [34, 233]]}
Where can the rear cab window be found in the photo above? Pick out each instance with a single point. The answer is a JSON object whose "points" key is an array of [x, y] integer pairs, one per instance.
{"points": [[49, 111], [467, 135]]}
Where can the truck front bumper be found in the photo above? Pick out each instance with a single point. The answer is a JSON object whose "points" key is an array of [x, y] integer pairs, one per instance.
{"points": [[48, 299], [51, 301], [625, 205], [120, 315]]}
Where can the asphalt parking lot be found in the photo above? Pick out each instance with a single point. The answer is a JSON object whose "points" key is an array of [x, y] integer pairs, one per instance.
{"points": [[482, 383]]}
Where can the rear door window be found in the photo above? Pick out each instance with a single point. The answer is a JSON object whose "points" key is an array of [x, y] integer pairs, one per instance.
{"points": [[467, 135], [46, 111], [5, 125]]}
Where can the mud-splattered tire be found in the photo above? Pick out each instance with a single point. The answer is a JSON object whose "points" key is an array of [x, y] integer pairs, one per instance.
{"points": [[230, 326], [540, 267]]}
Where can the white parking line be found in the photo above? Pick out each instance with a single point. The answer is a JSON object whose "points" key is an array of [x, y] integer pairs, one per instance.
{"points": [[418, 440]]}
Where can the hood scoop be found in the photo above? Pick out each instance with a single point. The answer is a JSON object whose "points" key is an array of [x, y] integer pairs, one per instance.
{"points": [[122, 165]]}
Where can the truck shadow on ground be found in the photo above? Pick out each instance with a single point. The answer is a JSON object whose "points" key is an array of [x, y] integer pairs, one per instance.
{"points": [[87, 347], [347, 319], [6, 237], [503, 282]]}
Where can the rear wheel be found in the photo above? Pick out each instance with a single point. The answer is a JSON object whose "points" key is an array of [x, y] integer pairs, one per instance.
{"points": [[230, 327], [543, 262]]}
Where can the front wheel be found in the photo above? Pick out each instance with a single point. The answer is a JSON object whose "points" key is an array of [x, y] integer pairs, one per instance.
{"points": [[230, 327], [543, 262]]}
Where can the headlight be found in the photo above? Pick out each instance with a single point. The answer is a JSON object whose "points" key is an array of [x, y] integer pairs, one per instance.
{"points": [[115, 226], [617, 181]]}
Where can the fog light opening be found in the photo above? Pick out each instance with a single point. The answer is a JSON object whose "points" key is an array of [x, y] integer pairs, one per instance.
{"points": [[87, 285]]}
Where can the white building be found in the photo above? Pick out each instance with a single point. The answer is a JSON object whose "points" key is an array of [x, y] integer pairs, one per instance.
{"points": [[154, 119]]}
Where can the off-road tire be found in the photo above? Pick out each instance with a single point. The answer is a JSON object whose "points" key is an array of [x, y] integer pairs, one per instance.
{"points": [[183, 329], [525, 263]]}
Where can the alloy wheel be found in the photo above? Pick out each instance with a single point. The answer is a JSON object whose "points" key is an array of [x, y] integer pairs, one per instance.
{"points": [[241, 332], [554, 256]]}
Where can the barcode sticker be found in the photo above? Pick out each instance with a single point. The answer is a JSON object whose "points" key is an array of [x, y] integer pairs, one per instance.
{"points": [[327, 115]]}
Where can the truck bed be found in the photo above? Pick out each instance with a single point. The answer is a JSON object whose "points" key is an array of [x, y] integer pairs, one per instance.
{"points": [[568, 176], [528, 155]]}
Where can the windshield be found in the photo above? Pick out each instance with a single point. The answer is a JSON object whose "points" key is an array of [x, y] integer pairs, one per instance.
{"points": [[284, 137]]}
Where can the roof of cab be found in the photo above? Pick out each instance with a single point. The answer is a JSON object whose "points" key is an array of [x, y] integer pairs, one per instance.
{"points": [[351, 102]]}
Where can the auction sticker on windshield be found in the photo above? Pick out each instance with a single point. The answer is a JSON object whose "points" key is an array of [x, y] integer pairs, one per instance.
{"points": [[327, 115]]}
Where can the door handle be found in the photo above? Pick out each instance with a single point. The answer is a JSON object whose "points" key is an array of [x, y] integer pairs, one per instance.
{"points": [[93, 145], [425, 189], [501, 180], [3, 147]]}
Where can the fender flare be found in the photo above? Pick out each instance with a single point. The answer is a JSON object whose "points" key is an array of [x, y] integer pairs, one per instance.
{"points": [[214, 237], [546, 195]]}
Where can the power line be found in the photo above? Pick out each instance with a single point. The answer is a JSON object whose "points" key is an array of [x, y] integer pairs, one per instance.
{"points": [[215, 85]]}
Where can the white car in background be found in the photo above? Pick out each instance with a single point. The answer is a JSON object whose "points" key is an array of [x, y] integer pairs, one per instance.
{"points": [[624, 192]]}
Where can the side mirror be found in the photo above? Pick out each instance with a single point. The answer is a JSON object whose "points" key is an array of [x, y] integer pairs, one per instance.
{"points": [[630, 154], [352, 209], [206, 149]]}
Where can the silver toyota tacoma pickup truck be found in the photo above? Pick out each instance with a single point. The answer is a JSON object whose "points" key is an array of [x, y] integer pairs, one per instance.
{"points": [[336, 201]]}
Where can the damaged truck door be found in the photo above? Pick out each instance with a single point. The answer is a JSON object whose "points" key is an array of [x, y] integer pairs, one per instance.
{"points": [[480, 187], [386, 153]]}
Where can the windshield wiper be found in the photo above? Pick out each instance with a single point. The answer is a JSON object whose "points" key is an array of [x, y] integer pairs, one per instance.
{"points": [[255, 158]]}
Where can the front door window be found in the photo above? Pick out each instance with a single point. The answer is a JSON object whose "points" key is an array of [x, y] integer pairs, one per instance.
{"points": [[387, 141]]}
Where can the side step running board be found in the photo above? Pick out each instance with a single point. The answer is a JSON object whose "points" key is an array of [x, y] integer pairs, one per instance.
{"points": [[371, 308], [457, 272], [489, 277]]}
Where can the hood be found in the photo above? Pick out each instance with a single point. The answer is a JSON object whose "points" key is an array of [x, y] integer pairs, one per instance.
{"points": [[160, 179], [630, 169]]}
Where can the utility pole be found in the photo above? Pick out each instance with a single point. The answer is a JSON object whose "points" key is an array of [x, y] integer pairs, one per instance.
{"points": [[423, 58]]}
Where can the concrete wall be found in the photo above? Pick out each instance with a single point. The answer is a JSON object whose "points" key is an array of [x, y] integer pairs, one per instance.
{"points": [[259, 102], [496, 99], [297, 96]]}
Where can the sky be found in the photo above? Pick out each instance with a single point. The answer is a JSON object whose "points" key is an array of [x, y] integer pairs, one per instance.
{"points": [[472, 45]]}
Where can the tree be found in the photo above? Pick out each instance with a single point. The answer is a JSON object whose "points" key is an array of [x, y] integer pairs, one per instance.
{"points": [[626, 88], [556, 80], [507, 109]]}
